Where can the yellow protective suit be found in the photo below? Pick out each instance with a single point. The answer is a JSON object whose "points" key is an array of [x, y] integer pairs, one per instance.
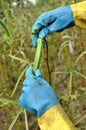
{"points": [[79, 14], [55, 118]]}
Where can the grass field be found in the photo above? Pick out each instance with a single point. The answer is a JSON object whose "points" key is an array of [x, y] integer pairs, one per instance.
{"points": [[67, 61]]}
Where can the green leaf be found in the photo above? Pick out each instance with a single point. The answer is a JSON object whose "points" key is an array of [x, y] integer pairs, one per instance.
{"points": [[5, 28], [15, 119]]}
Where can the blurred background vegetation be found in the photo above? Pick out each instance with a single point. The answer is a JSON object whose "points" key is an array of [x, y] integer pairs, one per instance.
{"points": [[67, 61]]}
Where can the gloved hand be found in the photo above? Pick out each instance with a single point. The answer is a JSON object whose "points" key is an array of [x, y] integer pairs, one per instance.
{"points": [[53, 21], [37, 95]]}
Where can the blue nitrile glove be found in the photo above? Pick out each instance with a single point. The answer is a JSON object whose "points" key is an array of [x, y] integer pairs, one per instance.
{"points": [[53, 21], [37, 95]]}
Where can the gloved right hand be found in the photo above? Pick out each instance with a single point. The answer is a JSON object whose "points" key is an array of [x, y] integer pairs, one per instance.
{"points": [[53, 21], [37, 95]]}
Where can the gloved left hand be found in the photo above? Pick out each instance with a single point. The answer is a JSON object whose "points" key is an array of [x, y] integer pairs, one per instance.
{"points": [[37, 95], [52, 21]]}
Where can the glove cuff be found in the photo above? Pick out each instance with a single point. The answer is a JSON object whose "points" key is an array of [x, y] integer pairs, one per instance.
{"points": [[46, 105]]}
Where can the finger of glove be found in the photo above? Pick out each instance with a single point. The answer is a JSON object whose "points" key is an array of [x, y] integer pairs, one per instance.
{"points": [[43, 21], [50, 29], [21, 101], [38, 73], [29, 73], [57, 26], [54, 27], [44, 32], [61, 23], [34, 40]]}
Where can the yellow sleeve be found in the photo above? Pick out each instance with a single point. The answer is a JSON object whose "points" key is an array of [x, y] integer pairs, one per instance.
{"points": [[79, 14], [55, 119]]}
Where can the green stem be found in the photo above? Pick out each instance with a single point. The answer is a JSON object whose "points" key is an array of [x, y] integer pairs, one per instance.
{"points": [[70, 86]]}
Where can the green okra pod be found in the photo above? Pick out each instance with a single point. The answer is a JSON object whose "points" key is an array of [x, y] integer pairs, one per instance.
{"points": [[38, 54]]}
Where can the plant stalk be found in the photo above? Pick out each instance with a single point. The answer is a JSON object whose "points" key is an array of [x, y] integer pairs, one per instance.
{"points": [[47, 63]]}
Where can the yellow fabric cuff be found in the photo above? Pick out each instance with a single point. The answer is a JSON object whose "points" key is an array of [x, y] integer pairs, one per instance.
{"points": [[55, 119], [79, 14]]}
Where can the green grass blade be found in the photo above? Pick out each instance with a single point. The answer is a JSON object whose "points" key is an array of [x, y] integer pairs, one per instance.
{"points": [[7, 100], [15, 119], [16, 85], [79, 57], [18, 59], [26, 120], [5, 28], [82, 75]]}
